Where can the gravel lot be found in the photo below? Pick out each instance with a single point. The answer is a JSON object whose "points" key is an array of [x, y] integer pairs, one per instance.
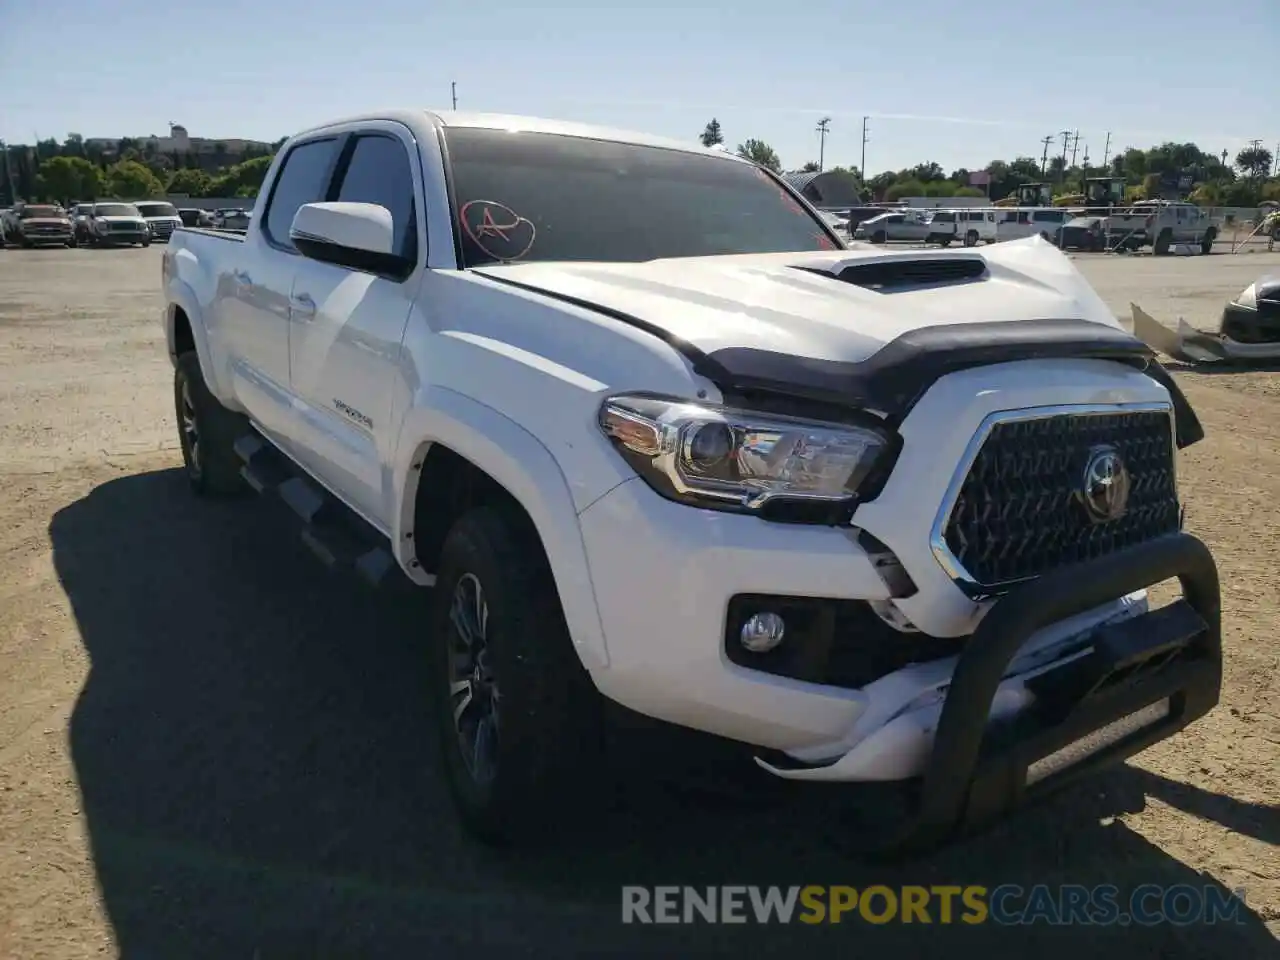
{"points": [[209, 749]]}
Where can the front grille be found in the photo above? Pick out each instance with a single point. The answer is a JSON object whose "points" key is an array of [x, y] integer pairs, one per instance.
{"points": [[1020, 510], [126, 228]]}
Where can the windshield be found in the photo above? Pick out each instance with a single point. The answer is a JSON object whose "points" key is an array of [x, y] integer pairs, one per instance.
{"points": [[30, 213], [158, 209], [116, 210], [538, 197]]}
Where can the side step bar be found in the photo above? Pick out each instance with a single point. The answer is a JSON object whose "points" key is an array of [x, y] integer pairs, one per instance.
{"points": [[342, 540]]}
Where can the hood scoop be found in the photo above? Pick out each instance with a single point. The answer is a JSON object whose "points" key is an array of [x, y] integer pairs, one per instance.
{"points": [[892, 276]]}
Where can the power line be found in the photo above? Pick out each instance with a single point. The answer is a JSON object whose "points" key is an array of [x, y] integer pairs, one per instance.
{"points": [[822, 141]]}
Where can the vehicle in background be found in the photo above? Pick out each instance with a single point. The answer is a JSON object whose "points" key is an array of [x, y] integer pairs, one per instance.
{"points": [[114, 224], [1028, 195], [231, 219], [195, 217], [161, 218], [1160, 224], [912, 226], [1020, 223], [899, 508], [1083, 233], [969, 226], [40, 224], [79, 213], [838, 223]]}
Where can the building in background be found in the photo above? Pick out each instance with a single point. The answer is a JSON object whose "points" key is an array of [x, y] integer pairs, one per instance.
{"points": [[181, 143]]}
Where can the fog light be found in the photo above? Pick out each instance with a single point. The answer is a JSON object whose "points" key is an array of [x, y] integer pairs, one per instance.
{"points": [[762, 632]]}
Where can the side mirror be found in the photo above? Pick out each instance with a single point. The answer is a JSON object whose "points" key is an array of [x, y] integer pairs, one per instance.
{"points": [[356, 235]]}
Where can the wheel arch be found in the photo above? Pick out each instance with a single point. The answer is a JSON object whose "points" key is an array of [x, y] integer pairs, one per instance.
{"points": [[455, 453]]}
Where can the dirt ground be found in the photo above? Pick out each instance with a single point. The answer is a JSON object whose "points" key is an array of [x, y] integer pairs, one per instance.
{"points": [[210, 749]]}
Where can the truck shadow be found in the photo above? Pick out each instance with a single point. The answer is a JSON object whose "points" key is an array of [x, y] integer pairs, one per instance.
{"points": [[258, 779]]}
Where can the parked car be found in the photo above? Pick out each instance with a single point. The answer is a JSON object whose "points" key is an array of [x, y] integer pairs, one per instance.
{"points": [[1083, 233], [1022, 222], [968, 226], [906, 225], [1160, 224], [40, 224], [162, 218], [112, 224], [707, 469], [194, 217], [231, 219]]}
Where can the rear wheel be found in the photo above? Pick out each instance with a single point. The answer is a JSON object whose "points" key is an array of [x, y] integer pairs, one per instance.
{"points": [[207, 432], [1206, 243], [514, 708], [879, 237], [1163, 241], [971, 238]]}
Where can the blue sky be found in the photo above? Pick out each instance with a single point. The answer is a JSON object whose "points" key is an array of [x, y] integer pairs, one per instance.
{"points": [[958, 83]]}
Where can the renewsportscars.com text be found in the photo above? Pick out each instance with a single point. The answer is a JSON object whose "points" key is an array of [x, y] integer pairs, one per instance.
{"points": [[1006, 905]]}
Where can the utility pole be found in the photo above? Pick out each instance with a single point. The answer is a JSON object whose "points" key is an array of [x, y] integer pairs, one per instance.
{"points": [[862, 169], [1044, 157], [1075, 147], [454, 90], [1066, 139], [822, 141], [1106, 151]]}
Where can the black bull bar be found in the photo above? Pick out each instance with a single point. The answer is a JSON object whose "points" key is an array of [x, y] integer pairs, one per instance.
{"points": [[978, 769]]}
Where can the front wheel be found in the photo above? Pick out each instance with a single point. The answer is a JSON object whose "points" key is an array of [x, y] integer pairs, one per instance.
{"points": [[1206, 244], [207, 432], [145, 243], [879, 237], [513, 704], [971, 238]]}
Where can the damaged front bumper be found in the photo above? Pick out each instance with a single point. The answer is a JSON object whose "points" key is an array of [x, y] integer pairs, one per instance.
{"points": [[1190, 345], [1141, 679]]}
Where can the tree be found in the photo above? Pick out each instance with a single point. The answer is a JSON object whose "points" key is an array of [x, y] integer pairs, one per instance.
{"points": [[192, 182], [757, 151], [1254, 161], [69, 178], [810, 167], [711, 134], [244, 179], [904, 188], [130, 180]]}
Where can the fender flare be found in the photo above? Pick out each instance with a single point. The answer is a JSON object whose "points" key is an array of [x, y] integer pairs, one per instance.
{"points": [[180, 296], [518, 461]]}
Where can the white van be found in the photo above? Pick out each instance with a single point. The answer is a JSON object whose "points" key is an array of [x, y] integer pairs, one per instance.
{"points": [[1018, 223], [969, 226]]}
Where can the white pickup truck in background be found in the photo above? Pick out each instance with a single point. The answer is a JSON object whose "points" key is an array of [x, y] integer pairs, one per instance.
{"points": [[658, 441]]}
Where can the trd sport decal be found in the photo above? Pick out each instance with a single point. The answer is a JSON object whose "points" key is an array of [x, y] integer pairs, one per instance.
{"points": [[353, 413]]}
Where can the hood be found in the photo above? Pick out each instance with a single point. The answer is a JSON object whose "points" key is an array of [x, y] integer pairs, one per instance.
{"points": [[163, 218], [47, 221], [120, 219], [798, 304], [859, 327]]}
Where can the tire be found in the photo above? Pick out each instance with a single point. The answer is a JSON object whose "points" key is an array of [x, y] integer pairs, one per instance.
{"points": [[879, 237], [207, 432], [145, 243], [542, 727], [1206, 242], [971, 238], [1163, 241]]}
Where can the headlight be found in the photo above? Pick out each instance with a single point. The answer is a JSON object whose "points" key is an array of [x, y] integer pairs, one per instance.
{"points": [[713, 456], [1249, 298]]}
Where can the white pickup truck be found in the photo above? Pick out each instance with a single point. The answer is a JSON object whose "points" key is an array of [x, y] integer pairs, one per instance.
{"points": [[661, 442]]}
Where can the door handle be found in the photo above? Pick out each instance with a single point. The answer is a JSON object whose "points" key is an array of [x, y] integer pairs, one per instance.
{"points": [[302, 307]]}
